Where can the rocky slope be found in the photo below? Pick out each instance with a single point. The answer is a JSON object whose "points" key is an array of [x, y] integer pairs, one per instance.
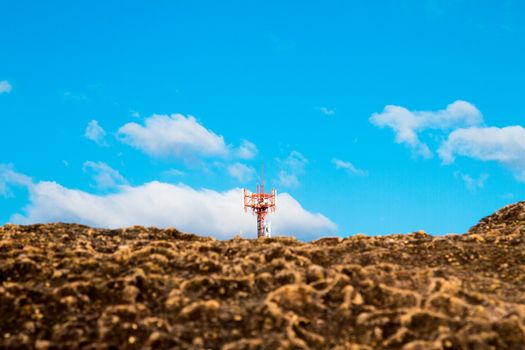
{"points": [[71, 286]]}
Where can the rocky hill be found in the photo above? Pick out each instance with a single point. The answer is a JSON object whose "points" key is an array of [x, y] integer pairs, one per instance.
{"points": [[72, 286]]}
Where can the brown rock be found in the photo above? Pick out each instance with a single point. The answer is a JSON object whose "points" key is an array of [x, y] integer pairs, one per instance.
{"points": [[71, 286]]}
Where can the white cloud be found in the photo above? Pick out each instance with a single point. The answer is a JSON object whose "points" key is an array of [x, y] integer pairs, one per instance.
{"points": [[205, 212], [291, 168], [327, 111], [463, 123], [505, 146], [285, 179], [5, 87], [105, 177], [295, 162], [8, 177], [241, 172], [349, 167], [173, 173], [408, 124], [95, 133], [247, 150], [173, 136], [472, 183]]}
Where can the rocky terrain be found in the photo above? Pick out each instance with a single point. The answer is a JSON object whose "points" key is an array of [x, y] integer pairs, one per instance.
{"points": [[75, 287]]}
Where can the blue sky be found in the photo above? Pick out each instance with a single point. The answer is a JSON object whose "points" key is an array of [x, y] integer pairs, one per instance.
{"points": [[375, 117]]}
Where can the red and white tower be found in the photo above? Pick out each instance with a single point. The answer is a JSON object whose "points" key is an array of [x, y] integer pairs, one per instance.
{"points": [[261, 204]]}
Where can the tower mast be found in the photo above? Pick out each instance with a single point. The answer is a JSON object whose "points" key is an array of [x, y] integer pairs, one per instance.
{"points": [[260, 203]]}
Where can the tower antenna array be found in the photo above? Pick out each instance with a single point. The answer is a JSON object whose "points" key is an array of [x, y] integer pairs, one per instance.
{"points": [[261, 204]]}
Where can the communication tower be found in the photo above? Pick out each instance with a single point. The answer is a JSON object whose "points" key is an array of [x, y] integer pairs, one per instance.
{"points": [[261, 204]]}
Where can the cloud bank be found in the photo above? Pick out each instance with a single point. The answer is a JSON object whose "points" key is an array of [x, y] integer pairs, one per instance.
{"points": [[291, 168], [5, 87], [202, 211], [9, 177], [327, 111], [407, 125], [472, 183], [241, 172], [462, 134], [247, 150], [105, 177], [505, 146], [95, 133], [164, 136], [349, 167]]}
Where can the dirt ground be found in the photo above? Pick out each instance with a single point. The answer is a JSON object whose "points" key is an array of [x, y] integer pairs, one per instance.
{"points": [[72, 286]]}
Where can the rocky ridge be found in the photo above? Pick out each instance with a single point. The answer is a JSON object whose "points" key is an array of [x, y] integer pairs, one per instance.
{"points": [[72, 286]]}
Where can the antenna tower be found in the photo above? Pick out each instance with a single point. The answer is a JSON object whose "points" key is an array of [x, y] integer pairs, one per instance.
{"points": [[260, 203]]}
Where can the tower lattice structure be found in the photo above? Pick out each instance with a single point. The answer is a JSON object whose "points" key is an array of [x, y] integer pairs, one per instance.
{"points": [[261, 205]]}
